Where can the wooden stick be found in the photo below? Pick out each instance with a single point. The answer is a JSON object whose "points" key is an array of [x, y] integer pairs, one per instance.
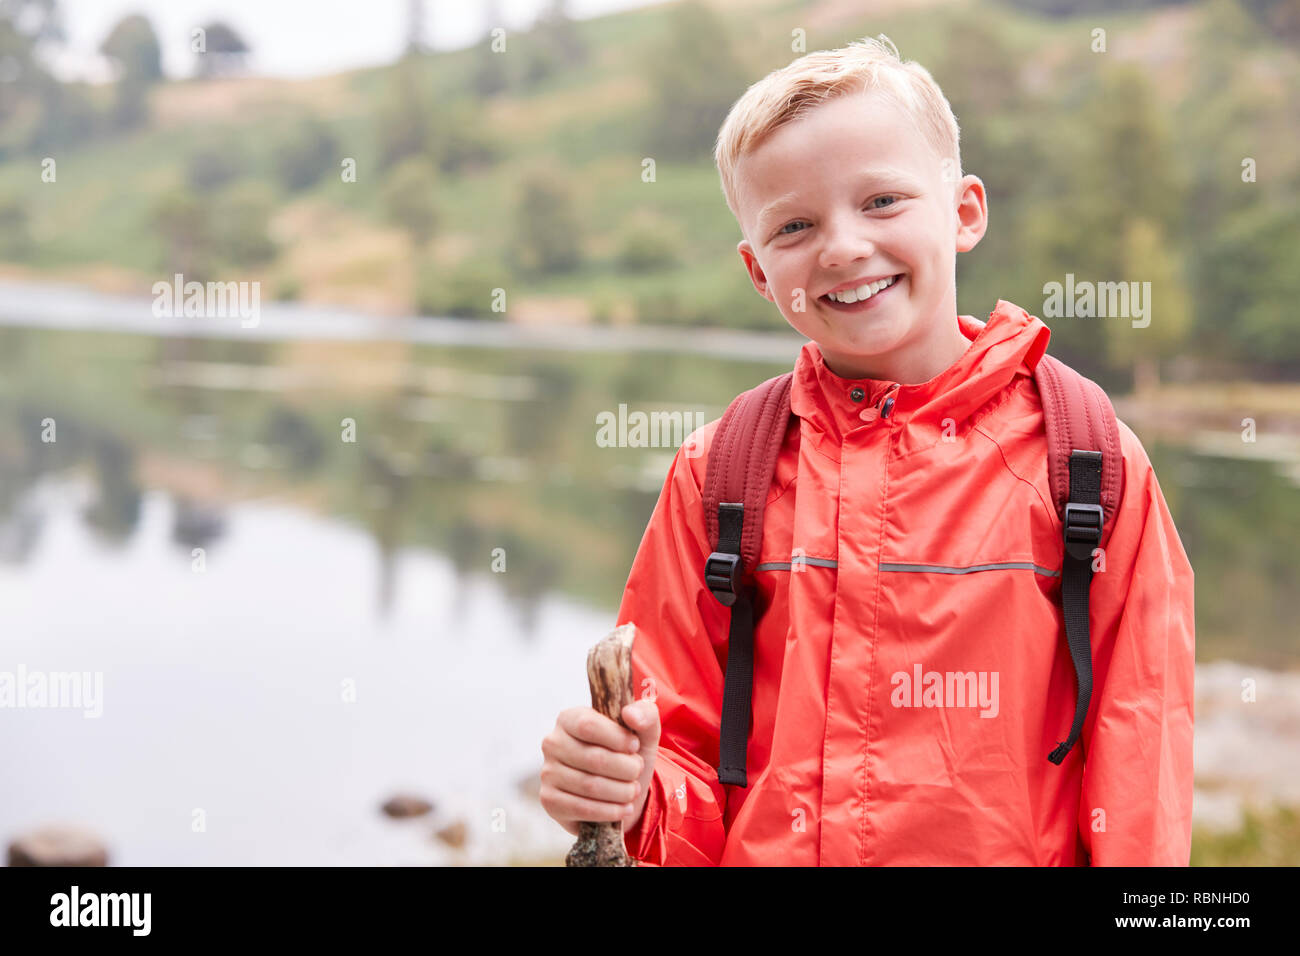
{"points": [[609, 671]]}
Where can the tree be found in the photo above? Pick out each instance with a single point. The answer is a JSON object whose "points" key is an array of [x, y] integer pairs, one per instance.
{"points": [[415, 27], [26, 26], [223, 51], [15, 238], [1148, 258], [305, 153], [240, 225], [403, 120], [184, 227], [408, 199], [214, 164], [1250, 285], [553, 43], [1121, 173], [488, 76], [695, 79], [133, 47], [546, 226]]}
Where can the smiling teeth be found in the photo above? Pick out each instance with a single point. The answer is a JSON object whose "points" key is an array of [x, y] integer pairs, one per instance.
{"points": [[849, 296]]}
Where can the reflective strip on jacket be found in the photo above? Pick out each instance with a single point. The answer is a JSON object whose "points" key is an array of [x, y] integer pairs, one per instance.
{"points": [[911, 672]]}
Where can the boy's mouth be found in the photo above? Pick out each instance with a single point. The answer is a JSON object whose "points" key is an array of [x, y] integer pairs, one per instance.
{"points": [[863, 297]]}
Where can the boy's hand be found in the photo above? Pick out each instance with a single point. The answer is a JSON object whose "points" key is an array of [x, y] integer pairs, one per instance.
{"points": [[596, 770]]}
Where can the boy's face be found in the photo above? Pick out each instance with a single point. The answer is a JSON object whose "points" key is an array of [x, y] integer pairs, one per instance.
{"points": [[846, 195]]}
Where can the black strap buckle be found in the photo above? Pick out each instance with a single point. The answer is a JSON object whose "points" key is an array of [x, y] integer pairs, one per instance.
{"points": [[1082, 529], [722, 575]]}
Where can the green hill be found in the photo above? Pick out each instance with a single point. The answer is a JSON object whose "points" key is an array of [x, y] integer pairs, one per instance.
{"points": [[523, 170]]}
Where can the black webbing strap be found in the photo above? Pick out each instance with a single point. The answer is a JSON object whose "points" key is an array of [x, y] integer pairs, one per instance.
{"points": [[723, 573], [1082, 528]]}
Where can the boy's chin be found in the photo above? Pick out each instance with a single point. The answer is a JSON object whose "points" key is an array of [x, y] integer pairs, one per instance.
{"points": [[860, 344]]}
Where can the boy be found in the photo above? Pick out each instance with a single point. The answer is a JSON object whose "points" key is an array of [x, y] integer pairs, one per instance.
{"points": [[912, 482]]}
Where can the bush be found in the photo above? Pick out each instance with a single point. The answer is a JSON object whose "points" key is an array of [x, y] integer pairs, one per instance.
{"points": [[213, 166], [408, 199], [602, 310], [240, 222], [183, 225], [305, 154], [15, 238], [288, 288], [648, 246], [664, 306], [460, 141], [463, 292], [547, 234]]}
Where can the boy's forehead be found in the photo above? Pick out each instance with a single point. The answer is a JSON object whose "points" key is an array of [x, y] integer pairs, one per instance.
{"points": [[863, 135]]}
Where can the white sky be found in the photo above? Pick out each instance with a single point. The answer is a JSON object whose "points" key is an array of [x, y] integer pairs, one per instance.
{"points": [[297, 37]]}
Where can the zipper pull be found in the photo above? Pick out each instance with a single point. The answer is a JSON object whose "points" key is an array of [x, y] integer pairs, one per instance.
{"points": [[887, 405]]}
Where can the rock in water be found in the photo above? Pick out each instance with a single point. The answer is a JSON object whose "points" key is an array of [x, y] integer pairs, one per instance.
{"points": [[453, 834], [405, 805]]}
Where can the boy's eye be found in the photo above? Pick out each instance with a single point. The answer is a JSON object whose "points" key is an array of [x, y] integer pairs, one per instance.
{"points": [[880, 202]]}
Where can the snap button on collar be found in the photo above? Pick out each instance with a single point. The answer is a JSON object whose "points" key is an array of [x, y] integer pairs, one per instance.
{"points": [[857, 394]]}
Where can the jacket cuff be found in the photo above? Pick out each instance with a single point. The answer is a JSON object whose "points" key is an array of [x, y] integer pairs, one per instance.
{"points": [[640, 838]]}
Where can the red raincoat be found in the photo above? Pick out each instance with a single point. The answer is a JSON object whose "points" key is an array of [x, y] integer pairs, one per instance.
{"points": [[905, 699]]}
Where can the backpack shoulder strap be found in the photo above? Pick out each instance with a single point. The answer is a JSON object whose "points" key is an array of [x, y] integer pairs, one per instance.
{"points": [[1078, 415], [1085, 470], [742, 461]]}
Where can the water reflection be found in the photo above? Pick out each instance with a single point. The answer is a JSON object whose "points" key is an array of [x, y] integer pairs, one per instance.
{"points": [[261, 689], [488, 458]]}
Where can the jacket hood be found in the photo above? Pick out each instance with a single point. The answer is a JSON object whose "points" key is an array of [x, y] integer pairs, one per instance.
{"points": [[1008, 345]]}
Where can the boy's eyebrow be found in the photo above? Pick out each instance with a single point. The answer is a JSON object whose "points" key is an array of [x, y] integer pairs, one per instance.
{"points": [[866, 177]]}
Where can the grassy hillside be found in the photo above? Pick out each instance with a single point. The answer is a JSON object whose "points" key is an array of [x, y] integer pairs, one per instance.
{"points": [[652, 252]]}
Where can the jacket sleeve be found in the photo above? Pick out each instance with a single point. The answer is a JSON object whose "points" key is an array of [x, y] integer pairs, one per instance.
{"points": [[1136, 806], [678, 661]]}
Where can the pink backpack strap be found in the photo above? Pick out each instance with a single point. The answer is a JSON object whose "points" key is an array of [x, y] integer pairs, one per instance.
{"points": [[1085, 469], [742, 461], [1078, 415]]}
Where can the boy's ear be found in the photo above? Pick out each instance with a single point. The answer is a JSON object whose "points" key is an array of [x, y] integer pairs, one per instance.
{"points": [[972, 213], [755, 271]]}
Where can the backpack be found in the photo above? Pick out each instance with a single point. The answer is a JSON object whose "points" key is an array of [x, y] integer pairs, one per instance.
{"points": [[1085, 472]]}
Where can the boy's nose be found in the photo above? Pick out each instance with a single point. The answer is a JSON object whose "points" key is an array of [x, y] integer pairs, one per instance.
{"points": [[844, 243]]}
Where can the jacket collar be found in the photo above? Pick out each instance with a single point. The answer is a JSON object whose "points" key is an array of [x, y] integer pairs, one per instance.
{"points": [[1009, 344]]}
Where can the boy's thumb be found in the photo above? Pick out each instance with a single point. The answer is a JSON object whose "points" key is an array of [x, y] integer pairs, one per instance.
{"points": [[643, 718]]}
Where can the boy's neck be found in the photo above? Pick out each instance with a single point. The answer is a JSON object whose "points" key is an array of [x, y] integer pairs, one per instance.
{"points": [[913, 364]]}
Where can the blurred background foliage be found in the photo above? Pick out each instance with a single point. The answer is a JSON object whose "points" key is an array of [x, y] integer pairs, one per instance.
{"points": [[522, 168]]}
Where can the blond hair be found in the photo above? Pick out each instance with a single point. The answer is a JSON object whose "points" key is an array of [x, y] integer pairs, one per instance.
{"points": [[863, 66]]}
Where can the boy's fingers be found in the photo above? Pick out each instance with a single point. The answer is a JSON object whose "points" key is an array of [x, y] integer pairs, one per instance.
{"points": [[598, 760], [592, 727], [570, 807], [591, 787]]}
